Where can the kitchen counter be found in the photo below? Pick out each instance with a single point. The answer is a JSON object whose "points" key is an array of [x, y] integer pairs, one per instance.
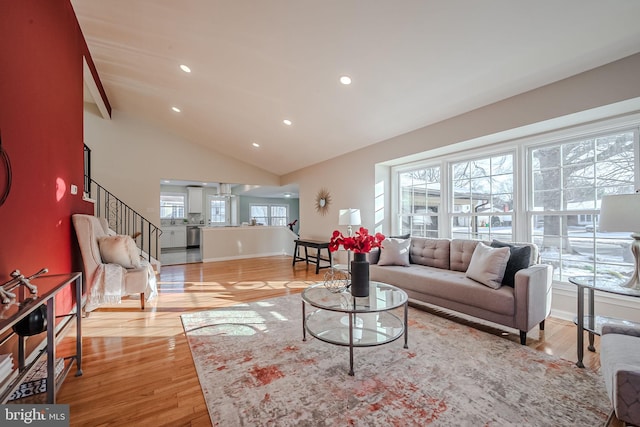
{"points": [[225, 243]]}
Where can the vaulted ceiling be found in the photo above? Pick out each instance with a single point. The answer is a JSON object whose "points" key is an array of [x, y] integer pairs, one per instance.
{"points": [[412, 63]]}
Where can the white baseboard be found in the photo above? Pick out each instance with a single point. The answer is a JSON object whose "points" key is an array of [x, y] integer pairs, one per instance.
{"points": [[230, 258], [564, 304]]}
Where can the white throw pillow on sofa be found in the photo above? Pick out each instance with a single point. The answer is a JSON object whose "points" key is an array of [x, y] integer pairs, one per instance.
{"points": [[488, 264], [119, 249], [395, 252]]}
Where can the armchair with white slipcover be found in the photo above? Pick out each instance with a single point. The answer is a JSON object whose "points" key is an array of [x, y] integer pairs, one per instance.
{"points": [[112, 266]]}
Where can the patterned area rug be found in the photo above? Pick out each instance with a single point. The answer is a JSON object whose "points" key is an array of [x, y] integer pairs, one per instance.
{"points": [[255, 369]]}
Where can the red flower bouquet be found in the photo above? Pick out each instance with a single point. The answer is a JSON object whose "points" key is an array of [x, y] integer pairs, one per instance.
{"points": [[361, 243]]}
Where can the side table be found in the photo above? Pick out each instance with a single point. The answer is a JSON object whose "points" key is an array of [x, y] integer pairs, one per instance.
{"points": [[590, 322], [48, 288]]}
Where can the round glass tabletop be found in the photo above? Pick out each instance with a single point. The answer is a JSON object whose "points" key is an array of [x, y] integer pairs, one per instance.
{"points": [[382, 297]]}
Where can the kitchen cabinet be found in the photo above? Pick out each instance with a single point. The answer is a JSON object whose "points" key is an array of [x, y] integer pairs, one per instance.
{"points": [[173, 237], [195, 199]]}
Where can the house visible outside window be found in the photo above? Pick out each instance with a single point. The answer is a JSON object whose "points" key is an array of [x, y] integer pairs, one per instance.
{"points": [[568, 180], [172, 205], [482, 198], [218, 210], [277, 215], [420, 201], [545, 189]]}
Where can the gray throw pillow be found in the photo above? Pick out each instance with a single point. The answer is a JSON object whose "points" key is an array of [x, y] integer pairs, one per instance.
{"points": [[519, 259], [487, 265], [395, 252]]}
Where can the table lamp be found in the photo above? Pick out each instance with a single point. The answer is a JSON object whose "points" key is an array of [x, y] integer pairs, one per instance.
{"points": [[349, 217], [621, 213]]}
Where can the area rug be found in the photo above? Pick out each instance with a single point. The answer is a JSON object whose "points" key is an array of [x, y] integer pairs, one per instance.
{"points": [[255, 370]]}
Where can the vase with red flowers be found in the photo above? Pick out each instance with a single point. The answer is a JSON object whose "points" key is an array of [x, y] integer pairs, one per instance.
{"points": [[361, 244]]}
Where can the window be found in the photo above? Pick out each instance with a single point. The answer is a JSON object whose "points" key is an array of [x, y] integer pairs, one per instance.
{"points": [[568, 181], [419, 201], [260, 213], [546, 190], [218, 210], [279, 215], [270, 214], [482, 202], [172, 205]]}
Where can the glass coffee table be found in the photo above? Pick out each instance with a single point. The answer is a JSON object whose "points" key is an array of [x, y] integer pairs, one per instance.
{"points": [[341, 319]]}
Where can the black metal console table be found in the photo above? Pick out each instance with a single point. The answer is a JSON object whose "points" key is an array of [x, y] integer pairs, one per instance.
{"points": [[48, 287]]}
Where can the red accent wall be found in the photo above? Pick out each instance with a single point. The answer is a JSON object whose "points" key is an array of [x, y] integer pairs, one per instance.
{"points": [[41, 116]]}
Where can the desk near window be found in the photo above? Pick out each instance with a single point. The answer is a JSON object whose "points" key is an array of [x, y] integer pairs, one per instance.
{"points": [[314, 258]]}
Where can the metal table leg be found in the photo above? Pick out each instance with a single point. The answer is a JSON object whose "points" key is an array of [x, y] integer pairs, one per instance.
{"points": [[592, 320], [351, 319], [304, 324], [79, 325], [406, 324], [580, 326], [51, 350]]}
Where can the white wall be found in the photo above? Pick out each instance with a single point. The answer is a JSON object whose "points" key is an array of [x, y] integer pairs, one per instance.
{"points": [[351, 179], [130, 157]]}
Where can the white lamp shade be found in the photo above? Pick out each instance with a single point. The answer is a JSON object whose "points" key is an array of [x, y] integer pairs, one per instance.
{"points": [[620, 212], [349, 217]]}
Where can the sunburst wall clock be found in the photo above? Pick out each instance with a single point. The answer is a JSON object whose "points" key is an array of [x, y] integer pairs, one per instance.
{"points": [[323, 200]]}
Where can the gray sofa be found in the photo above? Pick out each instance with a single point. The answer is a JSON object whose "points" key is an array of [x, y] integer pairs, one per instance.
{"points": [[436, 275], [620, 367]]}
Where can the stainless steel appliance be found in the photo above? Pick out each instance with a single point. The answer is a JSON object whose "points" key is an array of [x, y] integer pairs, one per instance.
{"points": [[193, 236]]}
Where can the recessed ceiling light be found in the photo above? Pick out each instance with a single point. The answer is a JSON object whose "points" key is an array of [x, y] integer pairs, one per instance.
{"points": [[287, 122], [176, 109], [255, 144], [345, 80], [185, 68]]}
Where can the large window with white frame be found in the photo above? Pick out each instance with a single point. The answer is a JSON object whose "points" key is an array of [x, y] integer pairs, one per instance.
{"points": [[567, 182], [419, 201], [172, 205], [219, 210], [279, 215], [549, 186], [482, 198]]}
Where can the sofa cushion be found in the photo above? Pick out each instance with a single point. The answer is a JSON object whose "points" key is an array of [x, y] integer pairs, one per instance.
{"points": [[461, 253], [119, 249], [447, 284], [430, 252], [488, 264], [394, 252], [374, 255], [519, 258]]}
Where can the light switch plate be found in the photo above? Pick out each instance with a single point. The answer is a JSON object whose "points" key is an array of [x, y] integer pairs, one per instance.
{"points": [[74, 189]]}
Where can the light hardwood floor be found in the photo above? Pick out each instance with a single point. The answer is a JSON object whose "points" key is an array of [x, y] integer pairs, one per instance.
{"points": [[138, 370]]}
